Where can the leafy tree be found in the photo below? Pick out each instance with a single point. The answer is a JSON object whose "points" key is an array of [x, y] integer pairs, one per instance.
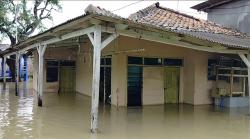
{"points": [[24, 17]]}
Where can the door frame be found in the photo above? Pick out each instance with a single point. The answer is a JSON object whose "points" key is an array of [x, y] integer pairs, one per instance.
{"points": [[141, 94], [106, 66], [104, 89], [181, 80], [179, 83]]}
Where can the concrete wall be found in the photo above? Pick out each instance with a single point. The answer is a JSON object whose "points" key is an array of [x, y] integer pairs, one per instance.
{"points": [[193, 74], [230, 16], [153, 85], [51, 53], [84, 69], [194, 86]]}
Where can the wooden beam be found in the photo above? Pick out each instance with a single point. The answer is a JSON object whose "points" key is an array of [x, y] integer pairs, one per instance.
{"points": [[121, 26], [166, 39], [91, 38], [41, 50], [96, 79], [109, 40], [54, 40], [95, 21], [245, 59]]}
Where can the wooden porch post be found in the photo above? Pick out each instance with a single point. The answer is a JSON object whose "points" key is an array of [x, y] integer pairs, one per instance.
{"points": [[98, 45], [95, 78], [17, 73], [41, 50], [248, 74], [246, 60], [4, 72]]}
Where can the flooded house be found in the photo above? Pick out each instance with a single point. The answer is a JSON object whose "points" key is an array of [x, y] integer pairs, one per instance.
{"points": [[25, 63], [155, 56]]}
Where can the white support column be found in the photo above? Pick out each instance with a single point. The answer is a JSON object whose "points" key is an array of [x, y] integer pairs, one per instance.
{"points": [[41, 50], [17, 73], [4, 72], [246, 60], [98, 45], [96, 78], [248, 75]]}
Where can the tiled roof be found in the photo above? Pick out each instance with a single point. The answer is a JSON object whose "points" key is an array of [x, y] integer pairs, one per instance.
{"points": [[173, 20], [164, 19], [100, 11]]}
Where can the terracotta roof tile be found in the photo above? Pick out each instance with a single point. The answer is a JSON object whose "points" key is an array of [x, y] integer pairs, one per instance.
{"points": [[170, 19]]}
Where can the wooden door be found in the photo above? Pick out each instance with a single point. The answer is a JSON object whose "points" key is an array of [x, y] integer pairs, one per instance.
{"points": [[67, 79], [171, 85], [134, 96]]}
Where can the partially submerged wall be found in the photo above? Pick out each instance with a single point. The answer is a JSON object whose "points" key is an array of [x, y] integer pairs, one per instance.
{"points": [[51, 54], [84, 69], [194, 85]]}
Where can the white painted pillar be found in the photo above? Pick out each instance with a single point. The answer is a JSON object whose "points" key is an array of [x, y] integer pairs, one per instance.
{"points": [[17, 73], [41, 50], [248, 75], [246, 60], [4, 72], [95, 78], [98, 45]]}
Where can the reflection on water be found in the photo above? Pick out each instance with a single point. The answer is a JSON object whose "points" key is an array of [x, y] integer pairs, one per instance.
{"points": [[67, 116]]}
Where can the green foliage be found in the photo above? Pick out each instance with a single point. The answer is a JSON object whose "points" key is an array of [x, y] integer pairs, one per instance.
{"points": [[25, 16]]}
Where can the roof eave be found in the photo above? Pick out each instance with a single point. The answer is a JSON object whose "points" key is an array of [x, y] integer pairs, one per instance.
{"points": [[210, 4]]}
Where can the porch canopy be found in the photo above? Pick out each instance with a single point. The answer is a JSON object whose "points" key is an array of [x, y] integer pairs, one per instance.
{"points": [[154, 23]]}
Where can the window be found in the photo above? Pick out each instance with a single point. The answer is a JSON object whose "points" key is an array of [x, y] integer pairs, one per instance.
{"points": [[211, 74], [67, 63], [173, 62], [152, 61], [106, 61], [52, 71], [135, 60]]}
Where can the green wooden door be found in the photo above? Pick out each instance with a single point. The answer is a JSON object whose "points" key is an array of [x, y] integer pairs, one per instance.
{"points": [[67, 79], [171, 85]]}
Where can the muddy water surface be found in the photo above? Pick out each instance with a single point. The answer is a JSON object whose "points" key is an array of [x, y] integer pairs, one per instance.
{"points": [[67, 117]]}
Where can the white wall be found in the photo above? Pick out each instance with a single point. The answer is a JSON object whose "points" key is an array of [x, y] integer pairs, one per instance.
{"points": [[194, 86], [84, 69], [153, 85], [51, 53]]}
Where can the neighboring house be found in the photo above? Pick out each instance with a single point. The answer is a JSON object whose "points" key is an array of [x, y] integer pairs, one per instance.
{"points": [[230, 13], [24, 64], [3, 47], [155, 56]]}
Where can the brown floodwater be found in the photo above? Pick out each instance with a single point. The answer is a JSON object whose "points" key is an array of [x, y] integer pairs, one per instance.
{"points": [[67, 116]]}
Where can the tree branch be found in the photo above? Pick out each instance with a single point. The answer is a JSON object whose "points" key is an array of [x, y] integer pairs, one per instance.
{"points": [[43, 9], [12, 39]]}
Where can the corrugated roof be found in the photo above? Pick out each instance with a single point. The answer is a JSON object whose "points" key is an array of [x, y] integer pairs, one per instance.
{"points": [[209, 4]]}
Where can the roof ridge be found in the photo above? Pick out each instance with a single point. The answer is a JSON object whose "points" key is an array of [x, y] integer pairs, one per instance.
{"points": [[157, 5], [91, 9]]}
